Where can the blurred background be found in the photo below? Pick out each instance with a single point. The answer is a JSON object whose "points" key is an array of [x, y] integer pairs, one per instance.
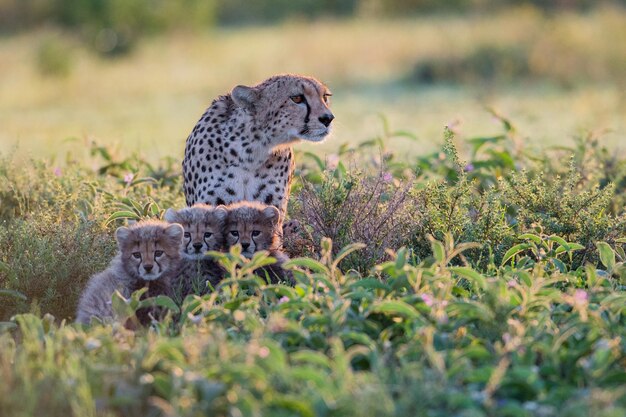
{"points": [[139, 73]]}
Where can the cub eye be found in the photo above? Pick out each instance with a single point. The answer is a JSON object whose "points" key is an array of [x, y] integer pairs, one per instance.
{"points": [[297, 99], [326, 96], [187, 234], [208, 235], [137, 255], [158, 253], [256, 233], [234, 233]]}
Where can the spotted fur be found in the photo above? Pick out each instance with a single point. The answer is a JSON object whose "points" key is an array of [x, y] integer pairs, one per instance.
{"points": [[256, 227], [148, 256], [204, 231], [240, 149], [203, 226]]}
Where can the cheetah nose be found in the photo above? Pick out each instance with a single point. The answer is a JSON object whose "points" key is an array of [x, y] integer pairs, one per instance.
{"points": [[197, 246], [245, 246], [148, 268], [325, 119]]}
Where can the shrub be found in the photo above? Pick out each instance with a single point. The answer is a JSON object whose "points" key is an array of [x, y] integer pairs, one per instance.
{"points": [[375, 211]]}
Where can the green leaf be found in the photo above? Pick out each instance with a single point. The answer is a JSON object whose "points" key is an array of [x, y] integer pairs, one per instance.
{"points": [[607, 256], [308, 263], [560, 241], [13, 293], [370, 284], [311, 357], [468, 273], [514, 251], [160, 301], [439, 252], [395, 308], [121, 306], [120, 215], [291, 403], [320, 164], [530, 236], [347, 250]]}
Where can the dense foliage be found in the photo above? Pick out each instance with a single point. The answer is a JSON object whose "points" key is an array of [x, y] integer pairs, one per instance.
{"points": [[502, 294]]}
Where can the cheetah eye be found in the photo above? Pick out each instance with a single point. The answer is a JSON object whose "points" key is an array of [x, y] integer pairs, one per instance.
{"points": [[234, 233], [187, 235], [326, 97], [256, 233], [298, 99], [208, 235], [158, 253], [137, 255]]}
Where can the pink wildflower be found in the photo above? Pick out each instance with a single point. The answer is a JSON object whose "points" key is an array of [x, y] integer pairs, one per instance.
{"points": [[264, 352], [283, 299], [387, 177], [580, 296], [128, 178], [428, 299], [57, 172]]}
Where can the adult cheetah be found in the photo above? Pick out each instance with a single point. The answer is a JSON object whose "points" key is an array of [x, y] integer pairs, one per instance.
{"points": [[240, 149]]}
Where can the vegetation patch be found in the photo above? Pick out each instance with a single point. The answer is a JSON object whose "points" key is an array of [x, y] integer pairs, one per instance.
{"points": [[484, 279]]}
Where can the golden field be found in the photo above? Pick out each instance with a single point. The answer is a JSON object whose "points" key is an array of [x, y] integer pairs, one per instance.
{"points": [[149, 100]]}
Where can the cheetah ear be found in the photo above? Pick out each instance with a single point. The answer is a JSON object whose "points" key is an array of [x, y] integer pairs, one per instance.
{"points": [[244, 97], [220, 212], [170, 215], [175, 232], [271, 214], [121, 235]]}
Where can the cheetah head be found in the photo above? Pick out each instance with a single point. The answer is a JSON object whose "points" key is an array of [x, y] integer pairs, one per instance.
{"points": [[149, 248], [288, 108], [253, 225], [202, 225]]}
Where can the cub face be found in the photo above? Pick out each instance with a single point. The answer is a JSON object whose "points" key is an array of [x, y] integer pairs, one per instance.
{"points": [[253, 225], [289, 107], [203, 228], [149, 248]]}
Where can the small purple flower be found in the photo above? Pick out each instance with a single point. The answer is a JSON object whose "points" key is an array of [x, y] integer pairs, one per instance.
{"points": [[469, 167], [283, 299], [57, 172], [428, 299], [128, 178], [387, 177], [511, 283]]}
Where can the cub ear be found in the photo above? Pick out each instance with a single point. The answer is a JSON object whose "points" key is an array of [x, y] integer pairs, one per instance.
{"points": [[244, 97], [170, 215], [175, 232], [271, 213], [121, 235], [220, 212]]}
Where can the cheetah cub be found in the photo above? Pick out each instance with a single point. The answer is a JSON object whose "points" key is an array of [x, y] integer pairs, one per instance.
{"points": [[148, 256], [203, 231], [256, 227], [203, 226]]}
